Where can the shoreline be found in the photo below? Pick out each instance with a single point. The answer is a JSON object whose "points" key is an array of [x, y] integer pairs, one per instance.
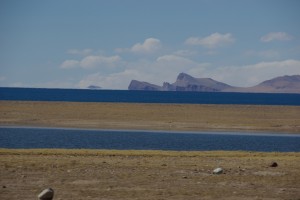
{"points": [[213, 132], [143, 153]]}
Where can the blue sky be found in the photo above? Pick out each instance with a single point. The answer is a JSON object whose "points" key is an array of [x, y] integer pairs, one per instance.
{"points": [[107, 43]]}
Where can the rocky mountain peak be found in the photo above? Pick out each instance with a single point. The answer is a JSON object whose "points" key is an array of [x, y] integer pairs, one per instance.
{"points": [[185, 82], [184, 76], [282, 80]]}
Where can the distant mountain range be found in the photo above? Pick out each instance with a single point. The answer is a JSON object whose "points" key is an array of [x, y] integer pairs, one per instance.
{"points": [[185, 82]]}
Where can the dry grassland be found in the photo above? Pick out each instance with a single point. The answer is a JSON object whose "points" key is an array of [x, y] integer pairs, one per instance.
{"points": [[114, 175], [151, 116]]}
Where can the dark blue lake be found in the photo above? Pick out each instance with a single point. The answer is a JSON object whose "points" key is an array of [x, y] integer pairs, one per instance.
{"points": [[145, 140], [127, 96]]}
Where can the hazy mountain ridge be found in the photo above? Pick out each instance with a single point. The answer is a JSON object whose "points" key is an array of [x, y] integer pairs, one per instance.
{"points": [[94, 87], [139, 85], [185, 82]]}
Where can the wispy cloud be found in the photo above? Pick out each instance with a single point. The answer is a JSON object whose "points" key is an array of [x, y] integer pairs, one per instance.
{"points": [[250, 75], [83, 52], [69, 64], [150, 45], [114, 72], [185, 52], [119, 80], [92, 61], [279, 36], [212, 41], [266, 54], [166, 68]]}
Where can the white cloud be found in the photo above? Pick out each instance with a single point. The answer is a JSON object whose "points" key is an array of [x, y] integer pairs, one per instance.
{"points": [[83, 52], [268, 54], [66, 83], [68, 64], [89, 62], [185, 53], [199, 71], [167, 67], [19, 84], [118, 80], [243, 76], [250, 75], [56, 84], [164, 68], [280, 36], [173, 65], [174, 59], [212, 41], [150, 45], [94, 61]]}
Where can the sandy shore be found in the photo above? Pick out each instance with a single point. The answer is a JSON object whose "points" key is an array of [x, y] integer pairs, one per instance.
{"points": [[186, 117]]}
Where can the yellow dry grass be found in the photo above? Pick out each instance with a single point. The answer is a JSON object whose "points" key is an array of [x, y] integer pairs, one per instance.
{"points": [[151, 116], [99, 174]]}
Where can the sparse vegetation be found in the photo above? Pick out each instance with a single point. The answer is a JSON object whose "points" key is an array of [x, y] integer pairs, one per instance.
{"points": [[105, 174], [152, 116]]}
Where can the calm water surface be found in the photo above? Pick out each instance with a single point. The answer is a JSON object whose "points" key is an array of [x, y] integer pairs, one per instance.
{"points": [[128, 96], [145, 140]]}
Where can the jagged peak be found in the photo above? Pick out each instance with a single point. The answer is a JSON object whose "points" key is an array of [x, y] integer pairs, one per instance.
{"points": [[183, 76], [186, 82], [141, 85]]}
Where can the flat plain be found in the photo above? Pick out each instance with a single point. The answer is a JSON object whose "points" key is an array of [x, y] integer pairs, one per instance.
{"points": [[184, 117], [110, 174], [103, 174]]}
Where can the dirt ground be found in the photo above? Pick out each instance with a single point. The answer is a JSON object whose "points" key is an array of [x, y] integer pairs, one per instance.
{"points": [[188, 117], [110, 175]]}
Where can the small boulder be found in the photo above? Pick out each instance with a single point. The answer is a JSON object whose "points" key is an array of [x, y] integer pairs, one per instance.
{"points": [[46, 194], [274, 164], [218, 171]]}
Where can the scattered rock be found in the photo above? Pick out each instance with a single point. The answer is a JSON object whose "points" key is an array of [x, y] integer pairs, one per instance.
{"points": [[46, 194], [274, 164], [218, 171], [164, 165]]}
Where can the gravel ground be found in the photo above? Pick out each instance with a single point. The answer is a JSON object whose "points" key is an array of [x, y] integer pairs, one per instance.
{"points": [[87, 174]]}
